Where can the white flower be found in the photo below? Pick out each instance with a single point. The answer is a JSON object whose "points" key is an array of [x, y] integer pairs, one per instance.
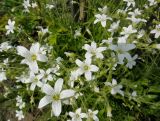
{"points": [[34, 5], [74, 76], [103, 10], [156, 31], [55, 96], [109, 41], [3, 76], [128, 30], [20, 102], [96, 89], [26, 5], [35, 81], [102, 18], [152, 2], [130, 2], [59, 59], [114, 26], [50, 6], [19, 114], [5, 46], [43, 31], [115, 88], [140, 33], [136, 20], [131, 61], [134, 94], [77, 116], [10, 27], [32, 56], [91, 115], [77, 33], [86, 68], [122, 39], [46, 75], [135, 13], [23, 78], [92, 50], [122, 51]]}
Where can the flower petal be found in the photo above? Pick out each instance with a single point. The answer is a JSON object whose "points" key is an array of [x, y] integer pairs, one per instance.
{"points": [[79, 63], [57, 107], [32, 87], [44, 101], [35, 48], [88, 61], [33, 66], [67, 94], [58, 85], [103, 23], [23, 51], [47, 89], [94, 68], [88, 75], [42, 58]]}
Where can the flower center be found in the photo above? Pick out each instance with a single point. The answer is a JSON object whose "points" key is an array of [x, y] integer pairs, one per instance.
{"points": [[34, 57], [91, 115], [119, 51], [35, 80], [45, 76], [77, 115], [93, 52], [86, 67], [56, 97]]}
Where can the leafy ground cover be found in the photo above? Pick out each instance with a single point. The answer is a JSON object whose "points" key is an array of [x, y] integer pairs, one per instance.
{"points": [[81, 60]]}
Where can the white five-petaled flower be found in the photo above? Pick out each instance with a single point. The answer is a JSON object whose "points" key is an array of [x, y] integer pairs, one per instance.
{"points": [[130, 2], [50, 6], [26, 4], [55, 96], [3, 76], [135, 13], [131, 61], [108, 41], [19, 115], [128, 30], [73, 76], [102, 18], [114, 26], [103, 10], [86, 68], [136, 20], [32, 56], [92, 50], [46, 75], [91, 115], [140, 33], [34, 5], [10, 27], [35, 81], [152, 2], [5, 46], [77, 116], [122, 51], [20, 102], [122, 39], [156, 31], [115, 88]]}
